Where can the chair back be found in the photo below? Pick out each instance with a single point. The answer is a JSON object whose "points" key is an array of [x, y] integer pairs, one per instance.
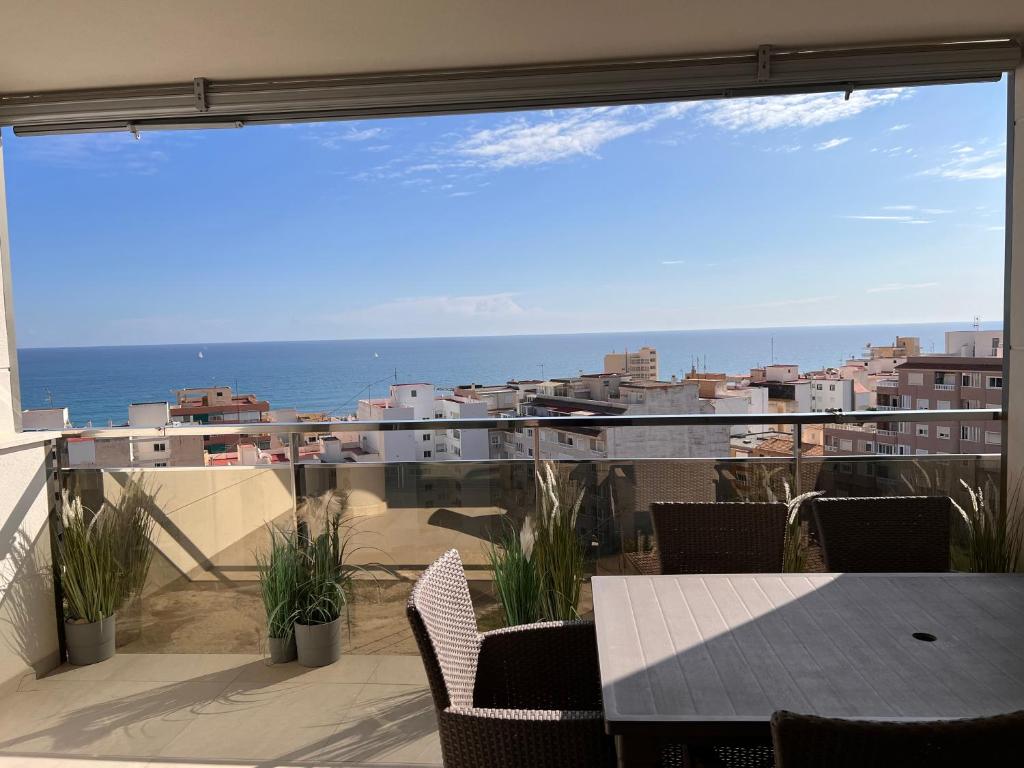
{"points": [[805, 741], [720, 537], [884, 534], [440, 611]]}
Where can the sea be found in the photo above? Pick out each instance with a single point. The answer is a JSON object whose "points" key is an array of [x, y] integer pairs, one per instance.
{"points": [[98, 383]]}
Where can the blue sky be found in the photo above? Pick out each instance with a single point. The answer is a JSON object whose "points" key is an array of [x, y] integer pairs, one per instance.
{"points": [[802, 210]]}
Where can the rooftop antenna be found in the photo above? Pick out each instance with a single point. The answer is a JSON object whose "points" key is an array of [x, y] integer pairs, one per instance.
{"points": [[773, 349], [49, 398], [541, 366], [977, 323]]}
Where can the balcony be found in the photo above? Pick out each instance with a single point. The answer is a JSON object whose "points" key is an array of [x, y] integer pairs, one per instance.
{"points": [[190, 682], [945, 387]]}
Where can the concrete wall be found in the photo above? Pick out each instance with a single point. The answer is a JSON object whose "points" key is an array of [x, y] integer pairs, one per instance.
{"points": [[1013, 386], [28, 624], [209, 522]]}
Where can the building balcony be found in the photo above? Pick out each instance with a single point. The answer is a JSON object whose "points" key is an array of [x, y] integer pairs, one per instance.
{"points": [[945, 387], [887, 383]]}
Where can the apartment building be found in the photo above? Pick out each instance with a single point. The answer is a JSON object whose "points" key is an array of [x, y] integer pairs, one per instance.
{"points": [[500, 398], [218, 405], [902, 347], [635, 398], [418, 402], [45, 418], [937, 382], [974, 343], [168, 450], [829, 392], [641, 364], [726, 395]]}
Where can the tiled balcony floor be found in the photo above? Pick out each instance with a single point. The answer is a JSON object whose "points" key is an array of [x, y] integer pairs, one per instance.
{"points": [[223, 709]]}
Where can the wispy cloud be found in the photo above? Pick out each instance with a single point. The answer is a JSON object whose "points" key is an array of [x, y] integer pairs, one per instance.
{"points": [[968, 164], [880, 217], [765, 113], [104, 152], [486, 305], [569, 133], [793, 302], [831, 144], [674, 261], [887, 287], [327, 136], [899, 207], [899, 127]]}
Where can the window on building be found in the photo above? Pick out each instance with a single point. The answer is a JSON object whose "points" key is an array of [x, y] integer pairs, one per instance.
{"points": [[970, 434], [922, 430], [942, 433], [970, 380], [529, 452], [412, 393], [869, 447], [921, 452], [426, 454], [915, 379], [993, 438], [994, 382], [942, 405], [160, 464], [831, 387], [884, 449], [845, 445], [159, 447], [922, 404], [903, 450], [426, 437]]}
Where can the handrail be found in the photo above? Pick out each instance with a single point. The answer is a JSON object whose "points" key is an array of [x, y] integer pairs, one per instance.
{"points": [[538, 422]]}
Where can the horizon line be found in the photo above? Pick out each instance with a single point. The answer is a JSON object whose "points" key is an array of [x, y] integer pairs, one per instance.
{"points": [[500, 336]]}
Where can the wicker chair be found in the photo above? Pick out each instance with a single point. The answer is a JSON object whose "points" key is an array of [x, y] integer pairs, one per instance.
{"points": [[521, 696], [720, 537], [805, 741], [884, 534]]}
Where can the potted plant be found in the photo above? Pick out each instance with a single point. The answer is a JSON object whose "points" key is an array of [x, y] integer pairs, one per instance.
{"points": [[280, 577], [553, 545], [103, 560], [320, 600]]}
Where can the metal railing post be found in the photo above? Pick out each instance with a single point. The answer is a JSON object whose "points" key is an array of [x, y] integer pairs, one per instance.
{"points": [[536, 469], [54, 487], [293, 466], [798, 434]]}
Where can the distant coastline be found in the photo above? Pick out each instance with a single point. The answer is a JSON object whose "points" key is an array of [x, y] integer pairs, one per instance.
{"points": [[98, 383]]}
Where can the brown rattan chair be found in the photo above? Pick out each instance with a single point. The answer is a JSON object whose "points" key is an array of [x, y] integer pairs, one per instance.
{"points": [[805, 741], [884, 534], [522, 696], [720, 537]]}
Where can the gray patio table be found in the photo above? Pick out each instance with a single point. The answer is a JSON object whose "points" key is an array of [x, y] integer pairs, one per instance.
{"points": [[708, 659]]}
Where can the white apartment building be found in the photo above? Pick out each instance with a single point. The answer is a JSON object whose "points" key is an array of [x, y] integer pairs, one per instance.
{"points": [[830, 393], [640, 364], [45, 418], [974, 343], [409, 402], [635, 398], [169, 450]]}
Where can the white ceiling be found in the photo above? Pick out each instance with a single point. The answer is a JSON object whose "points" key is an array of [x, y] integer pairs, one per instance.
{"points": [[62, 44]]}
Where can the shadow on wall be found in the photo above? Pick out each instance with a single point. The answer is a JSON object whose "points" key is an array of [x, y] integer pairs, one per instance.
{"points": [[28, 624], [27, 602]]}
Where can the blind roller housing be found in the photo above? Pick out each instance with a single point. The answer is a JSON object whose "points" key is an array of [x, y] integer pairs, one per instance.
{"points": [[205, 103]]}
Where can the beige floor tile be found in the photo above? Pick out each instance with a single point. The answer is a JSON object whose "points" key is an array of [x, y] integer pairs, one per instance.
{"points": [[390, 724], [113, 718], [400, 670], [284, 721], [181, 667], [348, 669]]}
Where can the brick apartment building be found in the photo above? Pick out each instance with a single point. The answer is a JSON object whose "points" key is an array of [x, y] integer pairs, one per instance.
{"points": [[940, 382]]}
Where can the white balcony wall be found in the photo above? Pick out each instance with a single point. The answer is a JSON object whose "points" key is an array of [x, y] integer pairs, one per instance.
{"points": [[28, 624]]}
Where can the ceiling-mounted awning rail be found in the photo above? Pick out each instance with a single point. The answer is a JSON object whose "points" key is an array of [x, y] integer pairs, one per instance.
{"points": [[207, 102]]}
